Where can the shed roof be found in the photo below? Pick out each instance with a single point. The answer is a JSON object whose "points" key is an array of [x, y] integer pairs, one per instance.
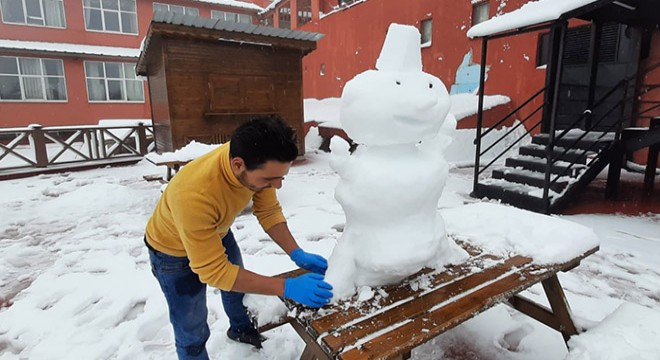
{"points": [[175, 25], [633, 12]]}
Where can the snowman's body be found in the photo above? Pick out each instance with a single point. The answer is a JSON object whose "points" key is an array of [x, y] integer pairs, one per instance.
{"points": [[397, 241], [390, 187]]}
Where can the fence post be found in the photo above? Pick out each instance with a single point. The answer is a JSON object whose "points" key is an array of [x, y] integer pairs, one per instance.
{"points": [[38, 141], [142, 139]]}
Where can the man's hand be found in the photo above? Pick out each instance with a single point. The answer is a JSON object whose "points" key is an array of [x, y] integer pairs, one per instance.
{"points": [[308, 289], [311, 262]]}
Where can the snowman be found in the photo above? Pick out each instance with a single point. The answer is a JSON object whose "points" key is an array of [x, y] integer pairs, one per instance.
{"points": [[390, 186]]}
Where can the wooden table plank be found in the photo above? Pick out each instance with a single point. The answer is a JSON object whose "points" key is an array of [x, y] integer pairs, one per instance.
{"points": [[448, 315], [417, 305]]}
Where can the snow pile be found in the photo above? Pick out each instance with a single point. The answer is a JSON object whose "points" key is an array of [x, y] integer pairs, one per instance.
{"points": [[534, 12], [464, 105], [631, 332], [187, 153], [324, 111]]}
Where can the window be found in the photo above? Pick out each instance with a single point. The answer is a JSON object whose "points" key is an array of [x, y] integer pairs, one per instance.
{"points": [[118, 16], [31, 79], [177, 9], [230, 16], [285, 17], [34, 12], [480, 12], [427, 32], [268, 21], [577, 45], [304, 12], [110, 81]]}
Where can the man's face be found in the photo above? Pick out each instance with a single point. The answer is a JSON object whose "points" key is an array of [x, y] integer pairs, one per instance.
{"points": [[268, 175]]}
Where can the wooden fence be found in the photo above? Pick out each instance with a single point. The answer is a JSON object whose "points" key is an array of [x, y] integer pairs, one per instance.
{"points": [[34, 149]]}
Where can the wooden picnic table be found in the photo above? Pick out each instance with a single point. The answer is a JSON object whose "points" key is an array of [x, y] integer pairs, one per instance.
{"points": [[403, 316], [172, 166]]}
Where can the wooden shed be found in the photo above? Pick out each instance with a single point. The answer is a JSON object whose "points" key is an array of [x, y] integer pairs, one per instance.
{"points": [[206, 77]]}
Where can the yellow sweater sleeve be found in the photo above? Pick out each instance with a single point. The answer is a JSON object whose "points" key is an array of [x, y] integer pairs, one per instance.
{"points": [[192, 214], [267, 209]]}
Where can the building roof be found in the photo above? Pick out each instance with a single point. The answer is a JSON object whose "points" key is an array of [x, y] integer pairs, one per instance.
{"points": [[66, 48], [532, 13], [233, 3], [196, 27], [644, 13]]}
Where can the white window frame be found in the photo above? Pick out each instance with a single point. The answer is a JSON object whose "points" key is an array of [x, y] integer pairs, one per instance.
{"points": [[105, 79], [215, 14], [44, 13], [119, 14], [186, 9], [43, 77]]}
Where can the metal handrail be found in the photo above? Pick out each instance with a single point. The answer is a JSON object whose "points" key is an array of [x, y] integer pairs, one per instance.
{"points": [[480, 135], [618, 124], [513, 112]]}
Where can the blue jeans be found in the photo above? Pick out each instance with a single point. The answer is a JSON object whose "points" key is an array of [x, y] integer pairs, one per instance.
{"points": [[186, 299]]}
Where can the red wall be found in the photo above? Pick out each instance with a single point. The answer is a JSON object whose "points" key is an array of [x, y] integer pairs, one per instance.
{"points": [[652, 65], [354, 36]]}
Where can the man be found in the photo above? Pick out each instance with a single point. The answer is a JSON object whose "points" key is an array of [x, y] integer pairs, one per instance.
{"points": [[190, 242]]}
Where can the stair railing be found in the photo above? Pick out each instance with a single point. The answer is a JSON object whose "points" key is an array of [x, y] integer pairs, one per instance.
{"points": [[594, 125], [477, 169], [626, 99]]}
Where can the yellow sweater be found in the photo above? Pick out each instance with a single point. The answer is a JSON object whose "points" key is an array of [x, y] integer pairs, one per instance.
{"points": [[196, 210]]}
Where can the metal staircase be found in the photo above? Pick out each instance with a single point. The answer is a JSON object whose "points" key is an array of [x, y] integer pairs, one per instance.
{"points": [[546, 173]]}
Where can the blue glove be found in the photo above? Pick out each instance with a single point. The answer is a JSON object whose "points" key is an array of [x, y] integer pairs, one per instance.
{"points": [[311, 262], [308, 289]]}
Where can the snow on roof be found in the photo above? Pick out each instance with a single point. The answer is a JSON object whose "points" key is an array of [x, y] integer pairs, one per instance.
{"points": [[234, 3], [70, 48], [271, 6], [535, 12]]}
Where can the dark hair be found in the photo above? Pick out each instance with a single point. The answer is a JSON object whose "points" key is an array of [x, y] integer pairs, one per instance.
{"points": [[263, 139]]}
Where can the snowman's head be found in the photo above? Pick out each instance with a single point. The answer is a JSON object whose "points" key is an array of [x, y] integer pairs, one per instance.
{"points": [[398, 103]]}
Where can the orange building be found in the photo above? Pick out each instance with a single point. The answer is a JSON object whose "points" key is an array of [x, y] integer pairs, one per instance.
{"points": [[354, 31], [72, 62]]}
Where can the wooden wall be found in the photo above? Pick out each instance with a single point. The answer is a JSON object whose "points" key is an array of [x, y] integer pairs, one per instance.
{"points": [[213, 87]]}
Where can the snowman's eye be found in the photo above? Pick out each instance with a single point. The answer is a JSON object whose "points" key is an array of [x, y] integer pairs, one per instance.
{"points": [[398, 82], [430, 86]]}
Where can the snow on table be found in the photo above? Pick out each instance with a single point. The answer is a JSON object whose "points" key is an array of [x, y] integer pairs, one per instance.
{"points": [[501, 230]]}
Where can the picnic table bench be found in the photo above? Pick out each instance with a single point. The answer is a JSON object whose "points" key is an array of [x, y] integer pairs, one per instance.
{"points": [[326, 132], [172, 166], [403, 316]]}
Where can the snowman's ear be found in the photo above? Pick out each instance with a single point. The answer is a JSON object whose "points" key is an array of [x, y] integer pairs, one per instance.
{"points": [[401, 51]]}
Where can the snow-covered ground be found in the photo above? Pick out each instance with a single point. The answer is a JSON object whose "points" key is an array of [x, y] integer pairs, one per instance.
{"points": [[75, 281]]}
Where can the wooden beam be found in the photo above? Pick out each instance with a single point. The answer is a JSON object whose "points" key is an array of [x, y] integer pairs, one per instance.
{"points": [[560, 308], [312, 349], [535, 311]]}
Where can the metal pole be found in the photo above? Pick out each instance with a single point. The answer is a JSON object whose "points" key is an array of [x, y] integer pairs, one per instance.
{"points": [[594, 57], [480, 115], [559, 32]]}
